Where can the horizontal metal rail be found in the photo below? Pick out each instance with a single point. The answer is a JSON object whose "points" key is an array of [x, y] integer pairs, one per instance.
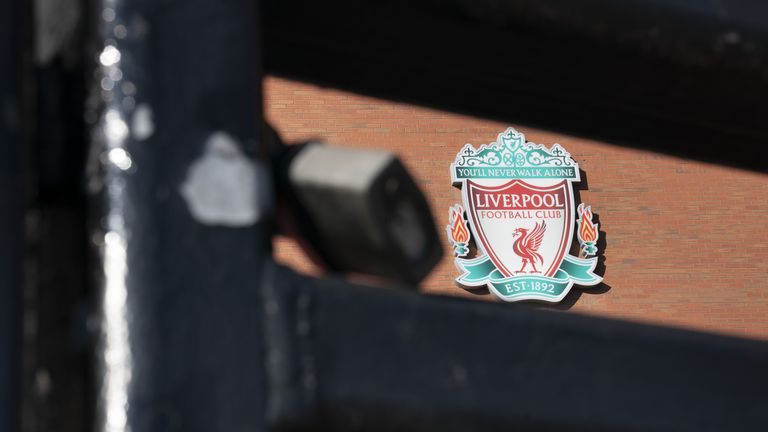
{"points": [[343, 358], [685, 78]]}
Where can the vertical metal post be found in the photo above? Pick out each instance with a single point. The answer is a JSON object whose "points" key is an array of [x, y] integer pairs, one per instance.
{"points": [[11, 211], [181, 231]]}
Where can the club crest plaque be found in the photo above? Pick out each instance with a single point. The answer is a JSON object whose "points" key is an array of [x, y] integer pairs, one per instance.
{"points": [[518, 207]]}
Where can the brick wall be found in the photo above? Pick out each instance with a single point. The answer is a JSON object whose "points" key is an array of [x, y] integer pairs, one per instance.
{"points": [[686, 242]]}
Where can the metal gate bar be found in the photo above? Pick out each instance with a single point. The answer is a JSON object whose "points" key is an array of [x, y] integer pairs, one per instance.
{"points": [[348, 358]]}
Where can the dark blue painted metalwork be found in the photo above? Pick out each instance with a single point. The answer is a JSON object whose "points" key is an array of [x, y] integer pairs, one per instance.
{"points": [[11, 213], [180, 330]]}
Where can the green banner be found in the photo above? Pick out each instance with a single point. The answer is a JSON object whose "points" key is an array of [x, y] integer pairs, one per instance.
{"points": [[572, 270], [515, 173]]}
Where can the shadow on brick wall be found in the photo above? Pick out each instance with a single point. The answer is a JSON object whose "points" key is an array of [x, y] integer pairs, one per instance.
{"points": [[602, 242]]}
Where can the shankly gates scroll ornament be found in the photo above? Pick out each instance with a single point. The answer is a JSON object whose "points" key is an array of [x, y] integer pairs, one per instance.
{"points": [[519, 204]]}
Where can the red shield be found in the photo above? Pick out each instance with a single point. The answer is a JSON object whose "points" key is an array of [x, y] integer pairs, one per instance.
{"points": [[525, 228]]}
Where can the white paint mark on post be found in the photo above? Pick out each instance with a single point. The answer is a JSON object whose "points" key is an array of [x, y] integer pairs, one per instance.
{"points": [[225, 187]]}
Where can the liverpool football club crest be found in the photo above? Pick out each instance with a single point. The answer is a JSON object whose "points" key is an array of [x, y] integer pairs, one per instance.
{"points": [[518, 206]]}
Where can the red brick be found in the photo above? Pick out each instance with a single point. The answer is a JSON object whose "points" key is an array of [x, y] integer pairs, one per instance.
{"points": [[687, 242]]}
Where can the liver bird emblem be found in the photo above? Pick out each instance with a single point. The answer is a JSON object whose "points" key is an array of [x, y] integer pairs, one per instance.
{"points": [[527, 245]]}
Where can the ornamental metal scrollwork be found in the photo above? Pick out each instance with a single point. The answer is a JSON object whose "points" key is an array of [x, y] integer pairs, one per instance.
{"points": [[511, 149]]}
